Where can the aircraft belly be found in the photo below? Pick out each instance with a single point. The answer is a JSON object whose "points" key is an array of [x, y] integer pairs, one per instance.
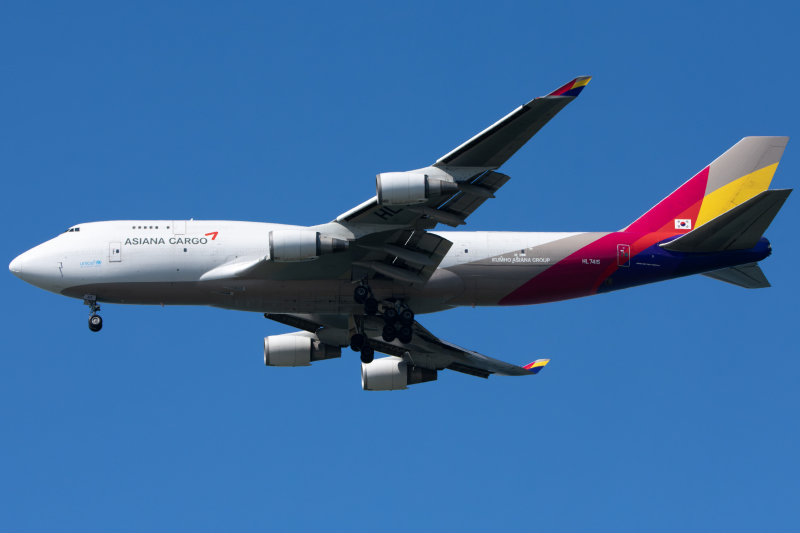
{"points": [[270, 296]]}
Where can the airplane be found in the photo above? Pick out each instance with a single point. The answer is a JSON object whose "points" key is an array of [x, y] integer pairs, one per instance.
{"points": [[361, 279]]}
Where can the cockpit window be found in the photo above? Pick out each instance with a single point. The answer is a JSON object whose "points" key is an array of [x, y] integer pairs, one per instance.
{"points": [[70, 230]]}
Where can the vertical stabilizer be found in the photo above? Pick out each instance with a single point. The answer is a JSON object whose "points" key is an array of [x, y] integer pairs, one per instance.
{"points": [[736, 176]]}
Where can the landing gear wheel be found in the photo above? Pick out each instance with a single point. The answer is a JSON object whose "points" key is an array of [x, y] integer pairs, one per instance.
{"points": [[370, 306], [367, 355], [405, 334], [360, 294], [390, 315], [389, 333], [407, 316], [95, 323], [357, 342]]}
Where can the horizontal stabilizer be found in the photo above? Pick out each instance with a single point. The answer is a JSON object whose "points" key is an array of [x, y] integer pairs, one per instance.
{"points": [[737, 229], [748, 276]]}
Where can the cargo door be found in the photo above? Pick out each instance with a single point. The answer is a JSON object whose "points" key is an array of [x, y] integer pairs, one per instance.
{"points": [[114, 252]]}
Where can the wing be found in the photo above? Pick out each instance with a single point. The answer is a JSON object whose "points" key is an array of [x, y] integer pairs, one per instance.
{"points": [[425, 350], [394, 241], [429, 351], [472, 166], [495, 145]]}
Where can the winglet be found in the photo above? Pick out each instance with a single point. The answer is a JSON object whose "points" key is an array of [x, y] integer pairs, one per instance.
{"points": [[572, 88], [536, 366]]}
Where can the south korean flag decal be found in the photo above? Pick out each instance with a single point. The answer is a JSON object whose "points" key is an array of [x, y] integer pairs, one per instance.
{"points": [[683, 223]]}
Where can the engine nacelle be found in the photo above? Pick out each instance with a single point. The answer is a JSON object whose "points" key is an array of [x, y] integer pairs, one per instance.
{"points": [[406, 188], [293, 245], [296, 350], [392, 373]]}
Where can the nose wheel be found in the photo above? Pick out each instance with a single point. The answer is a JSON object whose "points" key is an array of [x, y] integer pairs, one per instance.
{"points": [[95, 320], [95, 323]]}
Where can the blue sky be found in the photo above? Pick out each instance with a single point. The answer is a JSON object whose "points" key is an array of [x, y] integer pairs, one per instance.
{"points": [[671, 406]]}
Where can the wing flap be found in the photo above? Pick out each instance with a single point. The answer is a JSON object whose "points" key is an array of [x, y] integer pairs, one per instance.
{"points": [[392, 262], [465, 203]]}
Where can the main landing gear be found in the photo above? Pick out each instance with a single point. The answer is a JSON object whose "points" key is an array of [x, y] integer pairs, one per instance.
{"points": [[397, 316], [358, 343], [95, 321]]}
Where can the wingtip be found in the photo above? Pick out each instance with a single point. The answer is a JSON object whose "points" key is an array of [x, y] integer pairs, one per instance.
{"points": [[536, 366], [573, 88]]}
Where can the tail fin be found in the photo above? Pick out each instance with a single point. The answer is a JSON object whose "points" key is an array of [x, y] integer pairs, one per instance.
{"points": [[739, 174]]}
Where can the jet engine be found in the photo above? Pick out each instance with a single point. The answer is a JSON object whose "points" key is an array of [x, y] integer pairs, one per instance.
{"points": [[291, 245], [296, 350], [405, 188], [392, 373]]}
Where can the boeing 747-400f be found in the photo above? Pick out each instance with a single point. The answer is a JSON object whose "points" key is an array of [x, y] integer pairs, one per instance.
{"points": [[361, 280]]}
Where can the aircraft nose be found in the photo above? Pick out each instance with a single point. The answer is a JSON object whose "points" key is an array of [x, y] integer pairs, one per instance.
{"points": [[16, 265]]}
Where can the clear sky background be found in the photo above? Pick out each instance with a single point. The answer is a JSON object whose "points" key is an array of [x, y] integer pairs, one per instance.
{"points": [[668, 407]]}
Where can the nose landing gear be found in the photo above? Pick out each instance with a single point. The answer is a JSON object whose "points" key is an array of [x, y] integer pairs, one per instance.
{"points": [[95, 321]]}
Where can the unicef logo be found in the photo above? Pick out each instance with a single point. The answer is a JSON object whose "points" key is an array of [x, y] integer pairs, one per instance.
{"points": [[99, 262]]}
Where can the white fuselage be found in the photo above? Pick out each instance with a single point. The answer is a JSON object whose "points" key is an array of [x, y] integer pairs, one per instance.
{"points": [[164, 262]]}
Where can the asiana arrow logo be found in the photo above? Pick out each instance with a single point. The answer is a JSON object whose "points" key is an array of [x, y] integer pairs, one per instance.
{"points": [[135, 241]]}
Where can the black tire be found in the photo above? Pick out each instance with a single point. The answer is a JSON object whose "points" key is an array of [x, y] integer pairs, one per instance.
{"points": [[370, 306], [407, 316], [360, 294], [405, 334], [95, 323], [389, 333], [357, 342], [367, 355], [390, 315]]}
